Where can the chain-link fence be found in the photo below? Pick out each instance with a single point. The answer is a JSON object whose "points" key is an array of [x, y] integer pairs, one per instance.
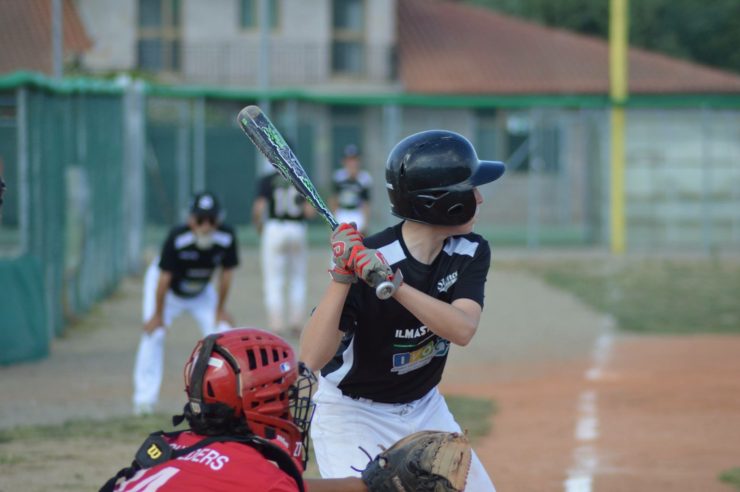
{"points": [[92, 166]]}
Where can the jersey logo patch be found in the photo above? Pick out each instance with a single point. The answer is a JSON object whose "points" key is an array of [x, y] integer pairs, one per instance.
{"points": [[405, 362], [412, 332], [447, 282], [188, 255]]}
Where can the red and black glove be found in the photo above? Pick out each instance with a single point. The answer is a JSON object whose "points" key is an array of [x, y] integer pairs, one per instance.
{"points": [[346, 242]]}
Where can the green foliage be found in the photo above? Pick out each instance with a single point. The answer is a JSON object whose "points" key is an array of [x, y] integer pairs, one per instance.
{"points": [[706, 33], [655, 296], [731, 477]]}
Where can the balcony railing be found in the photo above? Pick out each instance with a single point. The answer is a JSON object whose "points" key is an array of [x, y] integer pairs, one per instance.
{"points": [[237, 64]]}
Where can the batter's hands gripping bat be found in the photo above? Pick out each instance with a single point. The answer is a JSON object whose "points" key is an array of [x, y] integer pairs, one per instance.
{"points": [[271, 143]]}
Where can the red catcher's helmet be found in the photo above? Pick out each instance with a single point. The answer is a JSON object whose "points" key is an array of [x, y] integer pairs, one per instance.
{"points": [[254, 373]]}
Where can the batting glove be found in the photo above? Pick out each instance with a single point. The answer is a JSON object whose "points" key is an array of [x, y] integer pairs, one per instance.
{"points": [[343, 276], [372, 267], [345, 242]]}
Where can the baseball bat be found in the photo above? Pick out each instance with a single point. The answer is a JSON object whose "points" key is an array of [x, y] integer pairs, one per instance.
{"points": [[272, 145]]}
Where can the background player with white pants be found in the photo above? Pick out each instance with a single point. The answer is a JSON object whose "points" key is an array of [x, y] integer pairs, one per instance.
{"points": [[279, 213], [180, 280], [381, 361], [350, 201]]}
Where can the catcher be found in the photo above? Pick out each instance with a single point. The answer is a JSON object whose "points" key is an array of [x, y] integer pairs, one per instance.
{"points": [[381, 361], [249, 409]]}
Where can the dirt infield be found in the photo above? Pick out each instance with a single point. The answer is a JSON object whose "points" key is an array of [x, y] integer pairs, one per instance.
{"points": [[664, 412]]}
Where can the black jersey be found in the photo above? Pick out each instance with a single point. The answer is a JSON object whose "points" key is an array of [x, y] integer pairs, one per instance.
{"points": [[387, 354], [283, 200], [191, 267], [351, 193]]}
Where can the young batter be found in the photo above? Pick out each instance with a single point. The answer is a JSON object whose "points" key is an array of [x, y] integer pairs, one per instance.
{"points": [[381, 361]]}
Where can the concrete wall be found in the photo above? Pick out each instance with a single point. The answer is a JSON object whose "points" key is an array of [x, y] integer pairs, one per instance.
{"points": [[216, 50], [111, 25]]}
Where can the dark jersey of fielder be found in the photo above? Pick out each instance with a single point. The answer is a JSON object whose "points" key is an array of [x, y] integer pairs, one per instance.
{"points": [[284, 202], [351, 192], [191, 267], [218, 467], [387, 355]]}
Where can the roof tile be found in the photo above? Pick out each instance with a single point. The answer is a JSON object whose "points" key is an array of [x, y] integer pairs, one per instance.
{"points": [[25, 25], [455, 48]]}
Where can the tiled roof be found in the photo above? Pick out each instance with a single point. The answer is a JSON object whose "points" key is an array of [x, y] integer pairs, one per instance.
{"points": [[25, 25], [454, 48]]}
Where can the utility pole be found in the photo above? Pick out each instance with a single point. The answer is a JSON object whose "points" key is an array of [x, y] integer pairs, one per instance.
{"points": [[618, 93], [57, 39]]}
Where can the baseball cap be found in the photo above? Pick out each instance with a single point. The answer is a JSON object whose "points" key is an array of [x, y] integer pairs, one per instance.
{"points": [[205, 204], [351, 150]]}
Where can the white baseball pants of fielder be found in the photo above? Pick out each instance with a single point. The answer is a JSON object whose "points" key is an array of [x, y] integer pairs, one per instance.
{"points": [[341, 424], [284, 256], [149, 364]]}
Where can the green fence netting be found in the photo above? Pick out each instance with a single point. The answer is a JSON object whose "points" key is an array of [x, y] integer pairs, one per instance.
{"points": [[23, 332], [98, 169]]}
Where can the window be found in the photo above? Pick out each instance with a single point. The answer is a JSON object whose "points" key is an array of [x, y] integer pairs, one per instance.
{"points": [[487, 134], [158, 46], [346, 128], [522, 136], [348, 31], [249, 15]]}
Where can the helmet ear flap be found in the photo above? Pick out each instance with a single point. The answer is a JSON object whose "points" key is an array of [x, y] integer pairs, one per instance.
{"points": [[445, 207], [198, 371]]}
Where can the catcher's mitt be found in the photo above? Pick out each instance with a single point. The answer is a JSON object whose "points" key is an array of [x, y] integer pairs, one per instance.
{"points": [[424, 461]]}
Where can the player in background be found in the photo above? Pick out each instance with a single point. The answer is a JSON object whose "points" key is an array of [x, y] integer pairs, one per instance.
{"points": [[351, 185], [249, 409], [280, 214], [381, 361], [2, 183], [180, 280]]}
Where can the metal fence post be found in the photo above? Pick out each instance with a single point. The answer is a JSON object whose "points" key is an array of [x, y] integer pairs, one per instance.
{"points": [[133, 162]]}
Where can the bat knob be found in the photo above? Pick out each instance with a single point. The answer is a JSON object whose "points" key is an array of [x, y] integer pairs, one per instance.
{"points": [[385, 289]]}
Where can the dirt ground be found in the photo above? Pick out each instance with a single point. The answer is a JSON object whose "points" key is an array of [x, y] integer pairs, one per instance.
{"points": [[665, 412]]}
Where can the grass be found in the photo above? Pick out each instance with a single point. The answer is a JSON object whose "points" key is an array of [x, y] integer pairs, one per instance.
{"points": [[120, 428], [731, 477], [473, 414], [653, 295]]}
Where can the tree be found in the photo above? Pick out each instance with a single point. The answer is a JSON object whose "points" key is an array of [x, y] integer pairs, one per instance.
{"points": [[696, 30]]}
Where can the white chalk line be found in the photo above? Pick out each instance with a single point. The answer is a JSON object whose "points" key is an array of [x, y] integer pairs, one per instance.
{"points": [[585, 458]]}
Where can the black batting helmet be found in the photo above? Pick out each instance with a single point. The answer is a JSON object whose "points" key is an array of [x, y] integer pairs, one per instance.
{"points": [[431, 175]]}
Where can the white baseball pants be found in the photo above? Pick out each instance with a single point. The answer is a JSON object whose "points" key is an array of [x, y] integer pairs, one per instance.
{"points": [[284, 256], [341, 424], [149, 363]]}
